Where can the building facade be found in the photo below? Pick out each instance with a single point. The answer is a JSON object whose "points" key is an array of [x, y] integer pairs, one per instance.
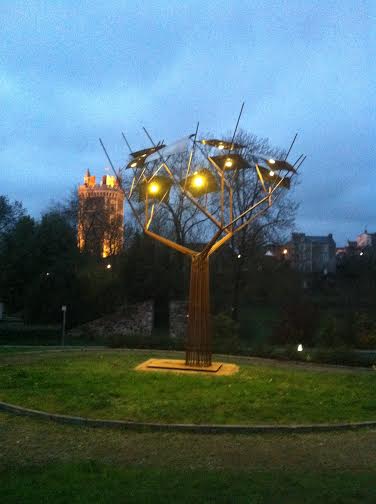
{"points": [[312, 254], [366, 240], [100, 216]]}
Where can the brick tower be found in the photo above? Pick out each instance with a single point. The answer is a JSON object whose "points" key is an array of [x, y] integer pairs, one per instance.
{"points": [[100, 216]]}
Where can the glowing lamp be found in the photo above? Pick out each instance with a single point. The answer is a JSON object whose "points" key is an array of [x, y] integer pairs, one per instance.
{"points": [[139, 157], [270, 179], [280, 165], [147, 152], [157, 188], [300, 347], [136, 163], [153, 188], [221, 144], [285, 251], [230, 161], [200, 183]]}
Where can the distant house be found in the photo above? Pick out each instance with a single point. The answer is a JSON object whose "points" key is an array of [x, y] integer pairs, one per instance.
{"points": [[312, 254], [364, 245], [349, 250], [366, 240]]}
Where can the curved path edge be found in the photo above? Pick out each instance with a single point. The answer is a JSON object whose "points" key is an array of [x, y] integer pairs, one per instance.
{"points": [[192, 428]]}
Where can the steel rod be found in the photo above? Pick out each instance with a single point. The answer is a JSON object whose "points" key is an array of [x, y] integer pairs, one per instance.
{"points": [[292, 143]]}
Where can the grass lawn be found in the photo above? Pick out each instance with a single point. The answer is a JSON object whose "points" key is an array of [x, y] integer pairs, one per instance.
{"points": [[100, 483], [42, 462], [105, 385]]}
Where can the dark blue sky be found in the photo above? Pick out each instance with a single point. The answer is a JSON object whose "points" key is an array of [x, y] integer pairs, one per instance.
{"points": [[73, 71]]}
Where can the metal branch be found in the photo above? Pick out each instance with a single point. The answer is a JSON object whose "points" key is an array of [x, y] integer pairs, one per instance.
{"points": [[171, 244], [191, 156], [126, 141], [121, 185], [297, 161], [301, 162], [185, 192], [236, 127], [292, 143]]}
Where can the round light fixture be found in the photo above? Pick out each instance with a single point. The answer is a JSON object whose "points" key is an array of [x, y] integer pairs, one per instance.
{"points": [[153, 188], [271, 161], [221, 146], [198, 181], [271, 173], [134, 164], [228, 163]]}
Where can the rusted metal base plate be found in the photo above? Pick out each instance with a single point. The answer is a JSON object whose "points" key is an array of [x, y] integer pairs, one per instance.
{"points": [[179, 366]]}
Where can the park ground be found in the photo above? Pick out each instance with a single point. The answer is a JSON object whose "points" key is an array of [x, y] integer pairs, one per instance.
{"points": [[41, 461], [47, 462]]}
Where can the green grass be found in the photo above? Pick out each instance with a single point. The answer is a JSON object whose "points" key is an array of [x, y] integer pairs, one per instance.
{"points": [[105, 385], [42, 462], [95, 482]]}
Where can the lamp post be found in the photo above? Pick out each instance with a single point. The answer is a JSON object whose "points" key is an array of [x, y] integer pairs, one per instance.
{"points": [[151, 178], [64, 311]]}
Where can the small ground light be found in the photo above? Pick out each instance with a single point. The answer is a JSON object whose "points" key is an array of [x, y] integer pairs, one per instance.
{"points": [[300, 347], [109, 266], [47, 274], [361, 253], [239, 256]]}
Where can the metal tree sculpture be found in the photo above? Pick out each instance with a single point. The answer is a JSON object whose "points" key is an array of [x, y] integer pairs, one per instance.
{"points": [[153, 181]]}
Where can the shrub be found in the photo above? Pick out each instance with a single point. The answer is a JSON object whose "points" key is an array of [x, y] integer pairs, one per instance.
{"points": [[225, 333], [333, 332], [365, 331], [298, 324]]}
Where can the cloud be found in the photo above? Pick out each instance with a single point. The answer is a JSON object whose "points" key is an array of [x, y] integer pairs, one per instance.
{"points": [[71, 73]]}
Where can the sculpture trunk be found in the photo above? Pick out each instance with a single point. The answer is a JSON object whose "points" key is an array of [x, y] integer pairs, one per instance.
{"points": [[198, 345]]}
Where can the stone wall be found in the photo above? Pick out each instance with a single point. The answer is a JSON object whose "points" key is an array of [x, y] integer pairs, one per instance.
{"points": [[132, 319], [178, 319]]}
